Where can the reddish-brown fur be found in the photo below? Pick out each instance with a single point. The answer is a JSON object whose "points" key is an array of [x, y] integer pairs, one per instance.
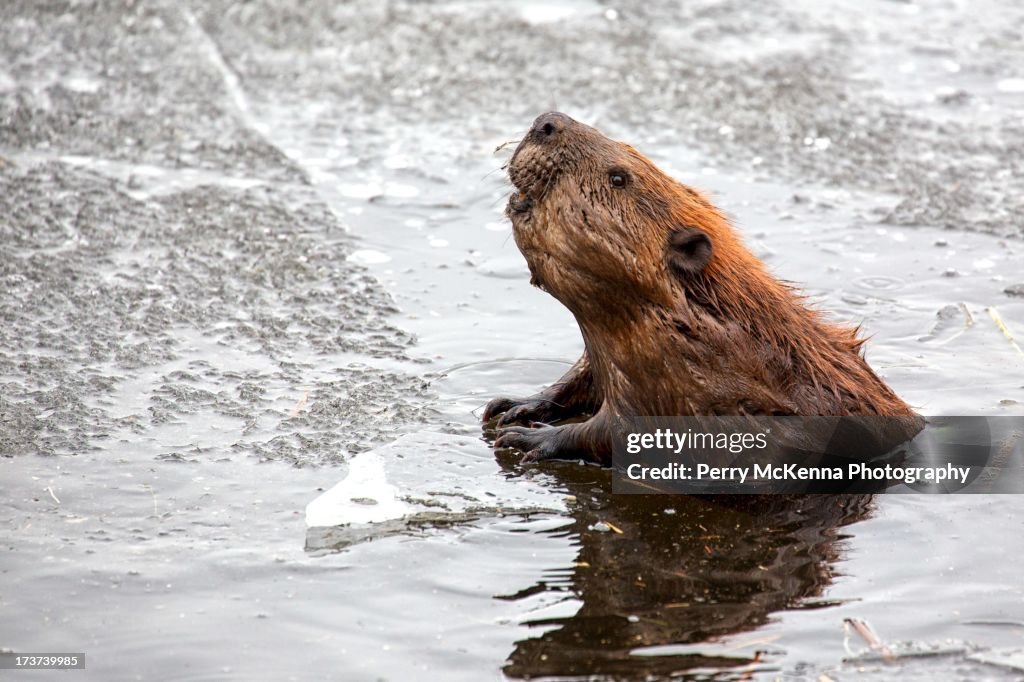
{"points": [[678, 316]]}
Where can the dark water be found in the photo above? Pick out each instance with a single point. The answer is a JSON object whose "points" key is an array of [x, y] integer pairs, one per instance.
{"points": [[249, 250]]}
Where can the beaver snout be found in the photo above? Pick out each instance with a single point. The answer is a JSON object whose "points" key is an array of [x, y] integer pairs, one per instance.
{"points": [[547, 127], [538, 159]]}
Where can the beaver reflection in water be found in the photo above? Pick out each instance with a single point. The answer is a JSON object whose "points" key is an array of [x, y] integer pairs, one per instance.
{"points": [[678, 317]]}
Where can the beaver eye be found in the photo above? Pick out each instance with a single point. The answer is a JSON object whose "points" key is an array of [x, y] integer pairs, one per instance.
{"points": [[618, 178]]}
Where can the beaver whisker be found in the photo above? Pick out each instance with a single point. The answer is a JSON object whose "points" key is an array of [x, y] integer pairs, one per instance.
{"points": [[493, 171], [550, 178]]}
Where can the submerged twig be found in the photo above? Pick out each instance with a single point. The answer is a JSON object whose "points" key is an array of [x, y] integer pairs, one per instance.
{"points": [[968, 323], [864, 631], [997, 318], [301, 405]]}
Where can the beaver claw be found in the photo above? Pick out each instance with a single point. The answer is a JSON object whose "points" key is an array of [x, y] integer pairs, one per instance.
{"points": [[512, 411], [499, 406], [537, 443]]}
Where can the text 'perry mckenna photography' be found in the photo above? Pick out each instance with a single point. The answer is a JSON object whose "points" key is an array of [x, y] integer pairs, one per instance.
{"points": [[807, 455]]}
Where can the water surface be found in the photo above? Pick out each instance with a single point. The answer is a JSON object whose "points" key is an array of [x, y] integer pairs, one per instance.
{"points": [[250, 249]]}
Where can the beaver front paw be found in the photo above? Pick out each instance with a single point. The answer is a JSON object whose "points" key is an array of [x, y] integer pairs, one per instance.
{"points": [[537, 443]]}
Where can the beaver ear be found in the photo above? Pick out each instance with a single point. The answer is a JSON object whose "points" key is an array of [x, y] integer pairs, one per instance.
{"points": [[689, 251]]}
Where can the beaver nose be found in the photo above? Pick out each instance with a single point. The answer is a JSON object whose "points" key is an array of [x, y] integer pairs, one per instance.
{"points": [[549, 125]]}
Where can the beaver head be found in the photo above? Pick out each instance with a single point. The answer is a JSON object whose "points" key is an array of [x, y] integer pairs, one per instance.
{"points": [[595, 217]]}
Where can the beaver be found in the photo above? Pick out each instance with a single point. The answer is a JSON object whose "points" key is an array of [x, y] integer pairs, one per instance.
{"points": [[678, 317]]}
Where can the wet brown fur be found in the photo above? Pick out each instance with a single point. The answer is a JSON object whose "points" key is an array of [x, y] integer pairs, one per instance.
{"points": [[667, 332]]}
